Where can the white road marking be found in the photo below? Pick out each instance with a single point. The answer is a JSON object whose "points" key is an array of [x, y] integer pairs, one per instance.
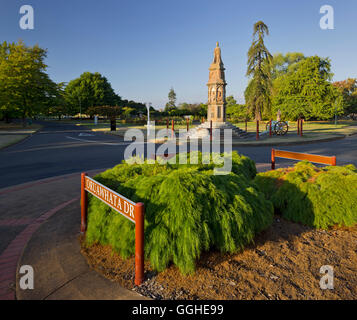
{"points": [[99, 142], [83, 134]]}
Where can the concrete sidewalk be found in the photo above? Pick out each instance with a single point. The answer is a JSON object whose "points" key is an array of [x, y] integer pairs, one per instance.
{"points": [[60, 271], [39, 224]]}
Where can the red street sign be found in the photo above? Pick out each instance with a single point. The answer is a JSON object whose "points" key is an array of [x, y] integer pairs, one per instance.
{"points": [[130, 210], [116, 201]]}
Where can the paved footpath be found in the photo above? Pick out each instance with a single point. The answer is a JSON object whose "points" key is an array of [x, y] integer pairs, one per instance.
{"points": [[39, 226]]}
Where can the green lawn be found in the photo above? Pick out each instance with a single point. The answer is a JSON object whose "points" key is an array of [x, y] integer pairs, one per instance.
{"points": [[11, 133], [312, 130], [7, 140], [16, 126], [308, 127]]}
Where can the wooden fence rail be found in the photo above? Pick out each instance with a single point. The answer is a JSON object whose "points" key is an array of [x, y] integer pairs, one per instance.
{"points": [[300, 156]]}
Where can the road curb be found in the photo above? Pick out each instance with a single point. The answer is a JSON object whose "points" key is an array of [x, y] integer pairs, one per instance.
{"points": [[288, 143], [258, 144], [22, 140], [43, 181]]}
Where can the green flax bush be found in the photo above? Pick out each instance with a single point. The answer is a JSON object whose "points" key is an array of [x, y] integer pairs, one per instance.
{"points": [[188, 210], [317, 197]]}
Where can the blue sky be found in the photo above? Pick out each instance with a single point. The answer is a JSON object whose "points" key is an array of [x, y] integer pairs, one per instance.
{"points": [[144, 47]]}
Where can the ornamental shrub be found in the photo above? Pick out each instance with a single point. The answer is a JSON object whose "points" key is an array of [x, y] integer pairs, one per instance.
{"points": [[317, 197], [188, 210]]}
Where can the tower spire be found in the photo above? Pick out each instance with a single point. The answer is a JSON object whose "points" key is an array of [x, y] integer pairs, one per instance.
{"points": [[216, 88]]}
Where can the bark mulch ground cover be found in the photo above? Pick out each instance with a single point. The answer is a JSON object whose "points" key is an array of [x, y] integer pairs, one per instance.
{"points": [[284, 263]]}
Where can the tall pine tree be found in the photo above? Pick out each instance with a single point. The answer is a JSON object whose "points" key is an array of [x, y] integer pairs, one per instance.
{"points": [[257, 94]]}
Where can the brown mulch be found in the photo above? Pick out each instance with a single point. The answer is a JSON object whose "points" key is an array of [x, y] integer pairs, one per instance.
{"points": [[284, 263]]}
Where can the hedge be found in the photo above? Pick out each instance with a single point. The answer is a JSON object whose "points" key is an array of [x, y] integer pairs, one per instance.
{"points": [[188, 210], [317, 197]]}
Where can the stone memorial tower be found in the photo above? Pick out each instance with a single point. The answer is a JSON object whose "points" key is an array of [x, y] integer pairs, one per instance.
{"points": [[216, 111], [216, 89]]}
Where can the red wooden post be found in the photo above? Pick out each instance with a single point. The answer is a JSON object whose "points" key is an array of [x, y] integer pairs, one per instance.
{"points": [[84, 204], [210, 131], [257, 135], [172, 129], [298, 126], [270, 128], [167, 123], [139, 243], [333, 161], [273, 159], [187, 124]]}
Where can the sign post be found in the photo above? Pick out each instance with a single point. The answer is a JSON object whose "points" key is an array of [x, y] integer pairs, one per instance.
{"points": [[273, 159], [139, 243], [135, 212], [84, 198]]}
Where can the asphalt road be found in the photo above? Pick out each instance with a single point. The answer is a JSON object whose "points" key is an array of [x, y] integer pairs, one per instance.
{"points": [[64, 148], [56, 150]]}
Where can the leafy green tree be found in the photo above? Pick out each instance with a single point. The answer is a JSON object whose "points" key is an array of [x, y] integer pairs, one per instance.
{"points": [[234, 110], [348, 89], [128, 112], [105, 111], [110, 112], [307, 92], [136, 107], [56, 104], [257, 94], [282, 64], [185, 107], [195, 109], [172, 101], [203, 110], [25, 87], [90, 89]]}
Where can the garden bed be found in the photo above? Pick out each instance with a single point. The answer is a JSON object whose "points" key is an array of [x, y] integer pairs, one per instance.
{"points": [[283, 263], [215, 237]]}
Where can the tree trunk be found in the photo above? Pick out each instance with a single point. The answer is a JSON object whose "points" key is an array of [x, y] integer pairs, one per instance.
{"points": [[7, 118], [113, 124], [258, 115], [23, 121]]}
